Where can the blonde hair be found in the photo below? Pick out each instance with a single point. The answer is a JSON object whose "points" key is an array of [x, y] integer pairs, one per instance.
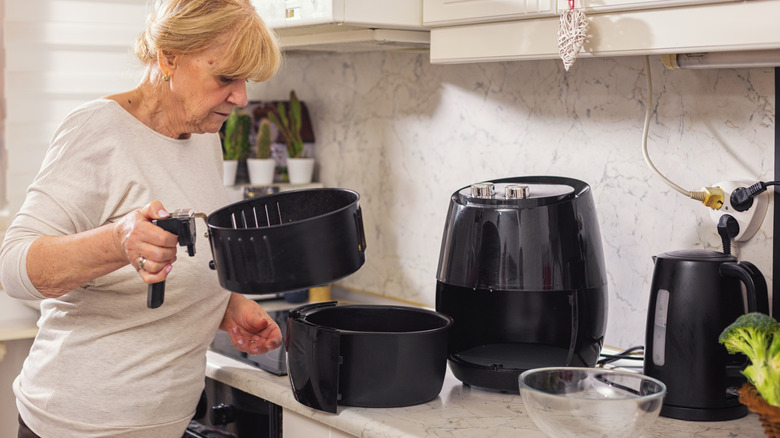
{"points": [[189, 27]]}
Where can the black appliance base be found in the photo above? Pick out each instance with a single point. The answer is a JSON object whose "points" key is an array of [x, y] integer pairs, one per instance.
{"points": [[498, 366], [704, 414]]}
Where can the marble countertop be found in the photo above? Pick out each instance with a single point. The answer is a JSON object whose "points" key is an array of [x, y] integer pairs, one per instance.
{"points": [[459, 411]]}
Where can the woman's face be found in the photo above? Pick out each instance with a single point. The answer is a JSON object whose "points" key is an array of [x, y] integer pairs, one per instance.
{"points": [[202, 100]]}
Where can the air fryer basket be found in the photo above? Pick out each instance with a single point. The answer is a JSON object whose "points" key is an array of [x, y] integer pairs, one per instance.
{"points": [[288, 241], [364, 355]]}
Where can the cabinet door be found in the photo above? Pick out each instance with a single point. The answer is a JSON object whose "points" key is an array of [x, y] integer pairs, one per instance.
{"points": [[723, 26], [438, 13], [398, 14], [596, 6], [451, 12], [292, 13]]}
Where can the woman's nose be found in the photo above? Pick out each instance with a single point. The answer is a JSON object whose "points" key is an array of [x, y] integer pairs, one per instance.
{"points": [[237, 96]]}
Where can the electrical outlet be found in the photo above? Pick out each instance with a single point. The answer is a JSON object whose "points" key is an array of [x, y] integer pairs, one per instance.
{"points": [[750, 220]]}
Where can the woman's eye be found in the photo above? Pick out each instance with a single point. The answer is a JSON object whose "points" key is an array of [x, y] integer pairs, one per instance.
{"points": [[226, 79]]}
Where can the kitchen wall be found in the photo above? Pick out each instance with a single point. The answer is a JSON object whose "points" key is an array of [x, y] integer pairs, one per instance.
{"points": [[406, 134]]}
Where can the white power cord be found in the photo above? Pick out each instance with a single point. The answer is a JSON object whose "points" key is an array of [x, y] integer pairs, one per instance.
{"points": [[648, 114]]}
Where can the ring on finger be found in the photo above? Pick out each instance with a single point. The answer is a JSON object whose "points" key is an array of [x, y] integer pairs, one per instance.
{"points": [[140, 262]]}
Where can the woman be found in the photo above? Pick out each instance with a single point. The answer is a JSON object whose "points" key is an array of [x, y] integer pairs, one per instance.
{"points": [[103, 364]]}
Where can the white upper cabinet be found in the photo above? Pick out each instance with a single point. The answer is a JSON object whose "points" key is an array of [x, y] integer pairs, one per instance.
{"points": [[438, 13], [504, 30], [450, 12], [595, 6], [307, 26], [285, 14]]}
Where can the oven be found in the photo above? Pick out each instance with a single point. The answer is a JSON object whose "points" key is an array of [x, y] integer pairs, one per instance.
{"points": [[227, 412]]}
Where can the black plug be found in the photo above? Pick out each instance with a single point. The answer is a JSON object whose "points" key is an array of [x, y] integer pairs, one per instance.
{"points": [[742, 198], [728, 228]]}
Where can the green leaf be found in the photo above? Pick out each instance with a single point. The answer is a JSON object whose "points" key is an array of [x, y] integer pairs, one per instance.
{"points": [[289, 122], [264, 139], [235, 144]]}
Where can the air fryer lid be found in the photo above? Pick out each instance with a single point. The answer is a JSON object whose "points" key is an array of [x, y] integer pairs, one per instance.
{"points": [[522, 233], [526, 194], [288, 241]]}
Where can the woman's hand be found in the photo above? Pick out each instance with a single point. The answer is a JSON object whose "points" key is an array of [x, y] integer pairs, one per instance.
{"points": [[147, 247], [58, 264], [249, 326]]}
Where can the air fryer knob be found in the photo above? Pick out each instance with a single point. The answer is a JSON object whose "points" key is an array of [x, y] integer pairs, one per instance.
{"points": [[516, 191], [485, 190]]}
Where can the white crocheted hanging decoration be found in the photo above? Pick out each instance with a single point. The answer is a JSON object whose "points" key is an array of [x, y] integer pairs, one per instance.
{"points": [[572, 32]]}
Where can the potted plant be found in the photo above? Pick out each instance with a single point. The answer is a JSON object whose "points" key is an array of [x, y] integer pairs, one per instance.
{"points": [[235, 143], [261, 168], [289, 121]]}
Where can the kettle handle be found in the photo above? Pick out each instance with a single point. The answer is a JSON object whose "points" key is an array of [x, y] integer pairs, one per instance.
{"points": [[755, 284]]}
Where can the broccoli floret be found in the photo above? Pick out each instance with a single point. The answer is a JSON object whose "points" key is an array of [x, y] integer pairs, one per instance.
{"points": [[750, 335], [773, 369], [757, 336]]}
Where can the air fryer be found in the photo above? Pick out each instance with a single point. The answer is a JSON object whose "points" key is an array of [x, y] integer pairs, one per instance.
{"points": [[521, 272]]}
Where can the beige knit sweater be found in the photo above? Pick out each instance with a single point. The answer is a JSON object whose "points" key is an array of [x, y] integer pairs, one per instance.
{"points": [[103, 364]]}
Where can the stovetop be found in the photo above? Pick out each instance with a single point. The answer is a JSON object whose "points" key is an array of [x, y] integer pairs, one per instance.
{"points": [[275, 361]]}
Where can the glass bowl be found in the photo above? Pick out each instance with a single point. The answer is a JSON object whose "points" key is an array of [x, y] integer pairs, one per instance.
{"points": [[590, 402]]}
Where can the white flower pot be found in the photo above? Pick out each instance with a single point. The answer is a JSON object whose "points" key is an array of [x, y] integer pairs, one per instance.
{"points": [[300, 170], [229, 168], [261, 171]]}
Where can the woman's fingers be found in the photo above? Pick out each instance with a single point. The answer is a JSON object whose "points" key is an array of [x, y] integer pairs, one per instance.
{"points": [[150, 249]]}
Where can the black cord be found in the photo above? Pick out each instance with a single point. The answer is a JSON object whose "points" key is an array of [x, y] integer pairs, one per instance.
{"points": [[728, 228], [625, 354], [742, 198]]}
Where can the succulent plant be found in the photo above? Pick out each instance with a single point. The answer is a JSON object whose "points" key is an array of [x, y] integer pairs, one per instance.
{"points": [[263, 143], [289, 123], [235, 144]]}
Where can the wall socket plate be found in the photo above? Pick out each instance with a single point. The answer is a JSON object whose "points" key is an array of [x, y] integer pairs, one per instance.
{"points": [[750, 220]]}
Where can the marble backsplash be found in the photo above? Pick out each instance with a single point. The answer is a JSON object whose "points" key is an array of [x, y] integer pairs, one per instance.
{"points": [[406, 134]]}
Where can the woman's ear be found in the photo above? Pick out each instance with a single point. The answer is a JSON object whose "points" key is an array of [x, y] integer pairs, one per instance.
{"points": [[166, 61]]}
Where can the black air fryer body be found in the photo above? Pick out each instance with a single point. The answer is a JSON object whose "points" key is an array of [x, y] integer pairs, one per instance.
{"points": [[521, 272]]}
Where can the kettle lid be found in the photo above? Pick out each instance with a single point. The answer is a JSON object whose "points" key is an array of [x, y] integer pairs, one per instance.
{"points": [[699, 255]]}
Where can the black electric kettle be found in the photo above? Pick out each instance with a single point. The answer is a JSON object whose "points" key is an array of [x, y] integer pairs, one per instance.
{"points": [[694, 295]]}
